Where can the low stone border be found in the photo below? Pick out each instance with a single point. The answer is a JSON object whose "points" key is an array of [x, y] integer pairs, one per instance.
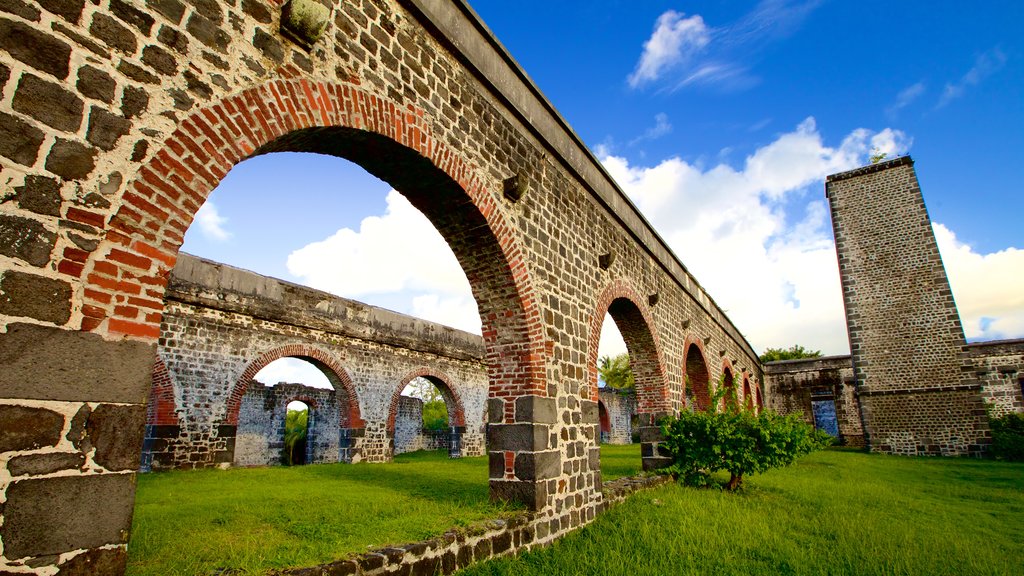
{"points": [[458, 549]]}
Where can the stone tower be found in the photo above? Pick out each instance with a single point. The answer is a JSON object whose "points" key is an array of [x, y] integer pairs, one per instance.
{"points": [[905, 334]]}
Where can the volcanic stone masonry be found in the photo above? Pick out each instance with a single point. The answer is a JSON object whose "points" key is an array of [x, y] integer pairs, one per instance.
{"points": [[118, 118]]}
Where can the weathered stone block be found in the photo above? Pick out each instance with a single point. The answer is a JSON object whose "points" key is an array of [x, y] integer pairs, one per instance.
{"points": [[39, 464], [533, 494], [590, 412], [160, 60], [25, 428], [71, 160], [56, 515], [26, 239], [19, 140], [70, 10], [113, 33], [173, 10], [37, 49], [134, 101], [270, 47], [105, 129], [207, 32], [538, 465], [93, 562], [536, 409], [517, 437], [116, 432], [131, 15], [304, 21], [19, 8], [64, 375], [32, 296], [49, 103], [39, 194]]}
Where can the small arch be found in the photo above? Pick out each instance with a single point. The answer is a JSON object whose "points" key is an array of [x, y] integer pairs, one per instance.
{"points": [[348, 402], [729, 398], [696, 375], [606, 424], [759, 398], [307, 449], [161, 409], [748, 398], [634, 322], [456, 413]]}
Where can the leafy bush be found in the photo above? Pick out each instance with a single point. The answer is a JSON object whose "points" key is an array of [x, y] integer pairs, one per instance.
{"points": [[735, 439], [1008, 437], [794, 352], [435, 415]]}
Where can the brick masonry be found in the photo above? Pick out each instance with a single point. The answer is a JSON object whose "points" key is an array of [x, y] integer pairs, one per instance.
{"points": [[917, 396], [791, 385], [116, 121]]}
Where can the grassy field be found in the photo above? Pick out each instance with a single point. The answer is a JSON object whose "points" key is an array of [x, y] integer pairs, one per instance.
{"points": [[202, 521], [831, 513]]}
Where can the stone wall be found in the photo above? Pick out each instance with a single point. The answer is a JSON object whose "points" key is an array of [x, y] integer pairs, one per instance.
{"points": [[410, 435], [117, 119], [617, 411], [260, 435], [906, 340], [999, 365], [792, 387]]}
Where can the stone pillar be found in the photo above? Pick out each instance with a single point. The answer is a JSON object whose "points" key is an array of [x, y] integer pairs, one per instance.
{"points": [[650, 438], [524, 460], [72, 417], [906, 339]]}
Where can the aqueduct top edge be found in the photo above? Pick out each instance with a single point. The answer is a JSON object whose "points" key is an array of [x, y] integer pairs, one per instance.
{"points": [[455, 24]]}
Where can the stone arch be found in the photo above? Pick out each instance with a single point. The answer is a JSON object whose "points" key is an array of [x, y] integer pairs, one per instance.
{"points": [[696, 374], [161, 409], [391, 141], [635, 324], [729, 383], [604, 419], [759, 398], [348, 401], [748, 398], [444, 384]]}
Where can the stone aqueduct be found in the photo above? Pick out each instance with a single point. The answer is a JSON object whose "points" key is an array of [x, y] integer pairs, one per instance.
{"points": [[119, 118]]}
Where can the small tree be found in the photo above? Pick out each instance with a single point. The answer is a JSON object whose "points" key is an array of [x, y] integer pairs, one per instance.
{"points": [[794, 352], [296, 425], [435, 415], [735, 439], [1008, 437], [615, 372]]}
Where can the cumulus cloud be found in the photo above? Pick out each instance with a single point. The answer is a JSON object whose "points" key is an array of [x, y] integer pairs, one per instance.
{"points": [[292, 371], [987, 287], [985, 65], [211, 223], [399, 252], [675, 39], [754, 237]]}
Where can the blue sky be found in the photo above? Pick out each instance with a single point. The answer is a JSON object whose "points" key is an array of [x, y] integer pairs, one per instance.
{"points": [[720, 120]]}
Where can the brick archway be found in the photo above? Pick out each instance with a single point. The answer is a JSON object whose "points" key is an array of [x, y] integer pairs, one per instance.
{"points": [[635, 324], [696, 374], [748, 398], [444, 384], [161, 409], [728, 382], [124, 280], [348, 402]]}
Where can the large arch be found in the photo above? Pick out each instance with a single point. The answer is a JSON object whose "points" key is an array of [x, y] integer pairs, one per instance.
{"points": [[444, 384], [348, 401], [634, 322], [696, 374]]}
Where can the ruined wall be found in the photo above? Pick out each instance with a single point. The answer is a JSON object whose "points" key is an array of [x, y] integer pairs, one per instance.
{"points": [[906, 339], [792, 387], [261, 419], [223, 324], [999, 365], [117, 119], [620, 409]]}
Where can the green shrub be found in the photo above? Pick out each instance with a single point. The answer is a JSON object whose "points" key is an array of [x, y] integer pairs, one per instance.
{"points": [[1008, 437], [435, 415], [736, 440]]}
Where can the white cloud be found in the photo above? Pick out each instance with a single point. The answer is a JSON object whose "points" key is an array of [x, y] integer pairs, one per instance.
{"points": [[399, 252], [292, 371], [211, 223], [777, 279], [675, 40], [984, 66], [905, 98], [661, 127], [987, 287]]}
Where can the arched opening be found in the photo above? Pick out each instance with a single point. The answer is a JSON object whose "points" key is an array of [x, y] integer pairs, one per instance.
{"points": [[271, 426], [606, 425], [729, 397], [298, 434], [697, 378], [759, 398], [426, 413], [162, 425], [620, 302], [748, 398]]}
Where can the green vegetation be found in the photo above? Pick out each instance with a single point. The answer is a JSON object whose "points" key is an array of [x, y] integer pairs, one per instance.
{"points": [[253, 519], [296, 425], [794, 352], [832, 512], [735, 439], [615, 372], [435, 415], [1008, 437]]}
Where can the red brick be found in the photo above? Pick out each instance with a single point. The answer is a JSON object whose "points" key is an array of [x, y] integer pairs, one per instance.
{"points": [[147, 331]]}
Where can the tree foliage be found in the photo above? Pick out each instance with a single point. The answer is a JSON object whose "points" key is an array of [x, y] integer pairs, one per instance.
{"points": [[1008, 437], [615, 372], [735, 439], [794, 352], [296, 425], [435, 415]]}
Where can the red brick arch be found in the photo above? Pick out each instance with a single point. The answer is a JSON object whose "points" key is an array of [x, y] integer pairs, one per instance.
{"points": [[161, 409], [124, 280], [729, 382], [348, 401], [760, 398], [637, 328], [696, 373], [452, 399], [748, 398]]}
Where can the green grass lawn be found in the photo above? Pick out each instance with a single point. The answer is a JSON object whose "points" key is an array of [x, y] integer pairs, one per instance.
{"points": [[831, 513], [252, 519]]}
